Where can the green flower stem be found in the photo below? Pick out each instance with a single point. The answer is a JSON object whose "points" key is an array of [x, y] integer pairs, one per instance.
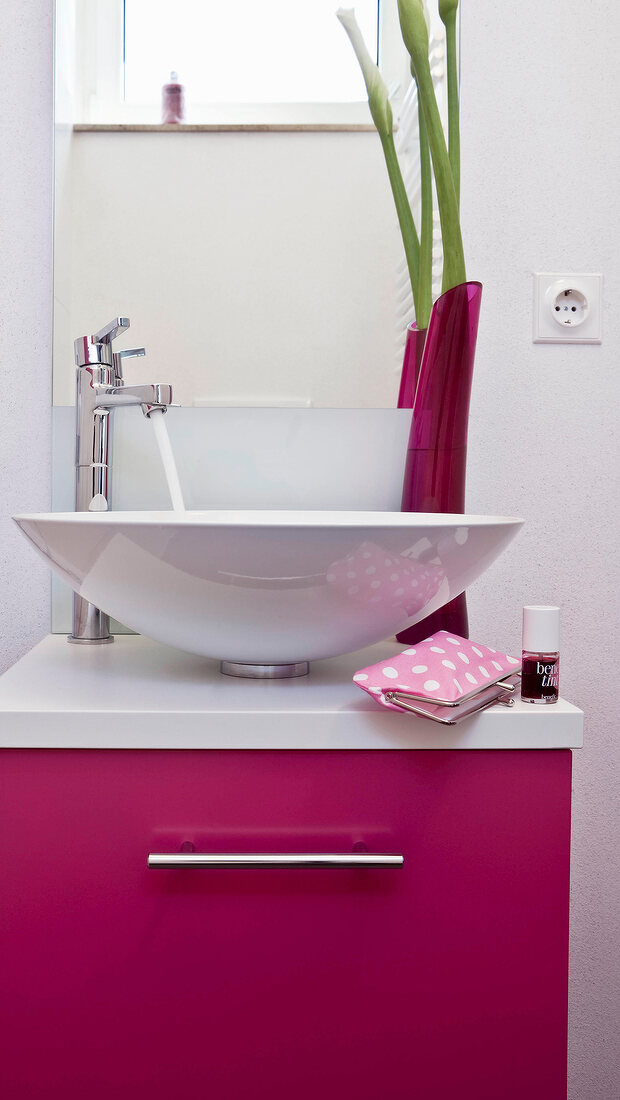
{"points": [[425, 295], [453, 258], [415, 36], [381, 111], [405, 220], [447, 11]]}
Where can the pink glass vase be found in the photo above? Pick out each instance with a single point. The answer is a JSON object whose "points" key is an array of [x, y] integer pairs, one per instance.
{"points": [[436, 456], [412, 359]]}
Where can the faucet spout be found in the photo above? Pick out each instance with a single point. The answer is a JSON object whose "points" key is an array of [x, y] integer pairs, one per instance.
{"points": [[150, 397]]}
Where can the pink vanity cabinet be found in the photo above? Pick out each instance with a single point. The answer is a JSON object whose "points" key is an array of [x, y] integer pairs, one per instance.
{"points": [[445, 978]]}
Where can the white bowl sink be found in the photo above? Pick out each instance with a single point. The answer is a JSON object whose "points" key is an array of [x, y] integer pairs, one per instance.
{"points": [[266, 588]]}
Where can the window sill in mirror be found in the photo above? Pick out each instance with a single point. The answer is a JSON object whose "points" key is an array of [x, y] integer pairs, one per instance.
{"points": [[220, 127]]}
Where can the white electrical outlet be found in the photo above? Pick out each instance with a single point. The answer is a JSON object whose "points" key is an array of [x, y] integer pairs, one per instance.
{"points": [[567, 308]]}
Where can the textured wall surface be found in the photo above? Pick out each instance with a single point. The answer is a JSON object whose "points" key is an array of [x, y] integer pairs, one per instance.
{"points": [[541, 168], [541, 164], [25, 312]]}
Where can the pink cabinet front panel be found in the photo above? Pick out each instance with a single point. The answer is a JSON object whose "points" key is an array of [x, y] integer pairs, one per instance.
{"points": [[446, 978]]}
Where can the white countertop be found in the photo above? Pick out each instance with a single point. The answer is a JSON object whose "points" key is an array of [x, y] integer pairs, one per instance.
{"points": [[136, 693]]}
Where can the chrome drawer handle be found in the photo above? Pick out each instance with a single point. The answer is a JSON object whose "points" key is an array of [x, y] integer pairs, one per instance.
{"points": [[174, 860]]}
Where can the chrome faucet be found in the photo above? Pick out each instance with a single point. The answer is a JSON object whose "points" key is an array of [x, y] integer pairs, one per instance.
{"points": [[100, 389]]}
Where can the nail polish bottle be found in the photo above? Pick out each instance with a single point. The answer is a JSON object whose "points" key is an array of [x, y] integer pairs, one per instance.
{"points": [[540, 668]]}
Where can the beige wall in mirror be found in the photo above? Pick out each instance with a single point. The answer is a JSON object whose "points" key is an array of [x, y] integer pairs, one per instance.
{"points": [[258, 266]]}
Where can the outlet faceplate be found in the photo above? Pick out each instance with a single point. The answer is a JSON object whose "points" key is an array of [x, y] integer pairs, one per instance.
{"points": [[567, 308]]}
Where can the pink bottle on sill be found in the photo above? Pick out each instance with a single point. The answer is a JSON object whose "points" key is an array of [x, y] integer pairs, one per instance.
{"points": [[173, 101]]}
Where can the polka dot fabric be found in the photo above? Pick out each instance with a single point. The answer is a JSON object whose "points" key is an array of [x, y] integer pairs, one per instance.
{"points": [[441, 669], [371, 575]]}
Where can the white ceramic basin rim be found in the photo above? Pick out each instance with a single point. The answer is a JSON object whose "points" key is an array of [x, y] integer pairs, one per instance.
{"points": [[268, 587]]}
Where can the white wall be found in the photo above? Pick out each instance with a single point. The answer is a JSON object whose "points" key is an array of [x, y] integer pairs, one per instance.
{"points": [[25, 313], [541, 114], [541, 165]]}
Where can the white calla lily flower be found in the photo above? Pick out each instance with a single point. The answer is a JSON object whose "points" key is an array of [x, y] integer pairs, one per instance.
{"points": [[378, 98]]}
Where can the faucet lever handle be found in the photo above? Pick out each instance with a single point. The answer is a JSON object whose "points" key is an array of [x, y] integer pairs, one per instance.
{"points": [[111, 331], [126, 353], [96, 350]]}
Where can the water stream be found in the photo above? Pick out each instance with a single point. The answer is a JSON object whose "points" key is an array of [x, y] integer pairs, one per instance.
{"points": [[160, 428]]}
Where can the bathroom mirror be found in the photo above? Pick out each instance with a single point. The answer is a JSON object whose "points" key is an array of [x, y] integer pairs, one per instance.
{"points": [[255, 248]]}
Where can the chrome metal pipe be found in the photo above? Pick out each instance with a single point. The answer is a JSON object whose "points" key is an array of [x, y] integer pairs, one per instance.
{"points": [[91, 626], [271, 860]]}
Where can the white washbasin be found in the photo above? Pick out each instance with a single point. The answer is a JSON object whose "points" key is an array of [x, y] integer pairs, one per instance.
{"points": [[268, 587]]}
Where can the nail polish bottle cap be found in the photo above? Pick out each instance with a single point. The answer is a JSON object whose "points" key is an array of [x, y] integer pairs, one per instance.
{"points": [[541, 629]]}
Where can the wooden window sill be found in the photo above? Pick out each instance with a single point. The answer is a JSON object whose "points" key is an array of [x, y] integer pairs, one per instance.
{"points": [[222, 127]]}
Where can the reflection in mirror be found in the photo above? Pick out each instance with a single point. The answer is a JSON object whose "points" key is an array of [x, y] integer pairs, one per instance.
{"points": [[255, 248], [287, 53]]}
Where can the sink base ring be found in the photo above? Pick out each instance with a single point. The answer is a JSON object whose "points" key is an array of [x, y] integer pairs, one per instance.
{"points": [[264, 672]]}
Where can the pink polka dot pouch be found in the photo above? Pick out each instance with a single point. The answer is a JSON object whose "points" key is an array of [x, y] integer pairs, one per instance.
{"points": [[444, 669]]}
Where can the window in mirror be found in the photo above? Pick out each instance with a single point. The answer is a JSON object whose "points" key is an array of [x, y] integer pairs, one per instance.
{"points": [[273, 61], [244, 52]]}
